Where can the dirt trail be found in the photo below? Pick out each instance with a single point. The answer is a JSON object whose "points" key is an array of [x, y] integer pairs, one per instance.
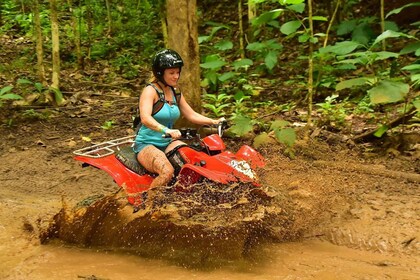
{"points": [[333, 202]]}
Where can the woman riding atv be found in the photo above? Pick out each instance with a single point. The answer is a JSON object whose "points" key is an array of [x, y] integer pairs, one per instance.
{"points": [[161, 104]]}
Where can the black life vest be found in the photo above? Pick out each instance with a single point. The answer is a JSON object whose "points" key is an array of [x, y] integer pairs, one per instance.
{"points": [[157, 106]]}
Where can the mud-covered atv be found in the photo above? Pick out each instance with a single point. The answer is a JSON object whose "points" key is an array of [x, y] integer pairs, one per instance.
{"points": [[202, 160]]}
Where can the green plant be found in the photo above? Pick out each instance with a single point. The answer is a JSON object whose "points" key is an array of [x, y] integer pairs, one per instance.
{"points": [[217, 103], [107, 125], [32, 114], [333, 113], [6, 95]]}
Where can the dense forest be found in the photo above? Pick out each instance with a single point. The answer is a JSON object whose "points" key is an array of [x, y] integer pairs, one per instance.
{"points": [[270, 67]]}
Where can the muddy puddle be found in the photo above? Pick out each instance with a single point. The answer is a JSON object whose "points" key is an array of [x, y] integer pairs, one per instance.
{"points": [[311, 259], [325, 224]]}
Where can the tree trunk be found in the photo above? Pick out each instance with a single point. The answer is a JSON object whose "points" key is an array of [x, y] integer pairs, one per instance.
{"points": [[39, 47], [183, 38], [55, 46], [75, 22]]}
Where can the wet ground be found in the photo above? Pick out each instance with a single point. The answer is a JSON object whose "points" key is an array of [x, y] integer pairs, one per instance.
{"points": [[349, 215]]}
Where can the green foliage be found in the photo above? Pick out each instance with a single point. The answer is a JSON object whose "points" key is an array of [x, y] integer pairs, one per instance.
{"points": [[333, 113], [108, 125], [216, 103], [5, 94]]}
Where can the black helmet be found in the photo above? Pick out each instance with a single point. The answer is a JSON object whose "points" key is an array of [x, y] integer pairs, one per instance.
{"points": [[166, 59]]}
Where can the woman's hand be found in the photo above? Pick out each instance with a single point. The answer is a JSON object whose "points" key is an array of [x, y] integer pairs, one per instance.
{"points": [[174, 133], [217, 121]]}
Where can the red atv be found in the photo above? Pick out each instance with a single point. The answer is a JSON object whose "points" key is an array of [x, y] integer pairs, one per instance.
{"points": [[202, 159]]}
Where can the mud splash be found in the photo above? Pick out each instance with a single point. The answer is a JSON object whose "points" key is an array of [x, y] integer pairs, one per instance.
{"points": [[208, 224]]}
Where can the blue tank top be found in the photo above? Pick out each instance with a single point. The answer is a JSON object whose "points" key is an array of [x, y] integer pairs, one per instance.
{"points": [[166, 116]]}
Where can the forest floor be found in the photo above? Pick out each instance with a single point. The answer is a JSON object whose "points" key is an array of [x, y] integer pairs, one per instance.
{"points": [[340, 193]]}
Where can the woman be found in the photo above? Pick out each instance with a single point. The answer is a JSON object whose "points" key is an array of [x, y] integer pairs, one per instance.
{"points": [[160, 107]]}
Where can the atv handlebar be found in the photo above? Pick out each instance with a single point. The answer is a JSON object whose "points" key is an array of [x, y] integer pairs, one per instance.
{"points": [[190, 133]]}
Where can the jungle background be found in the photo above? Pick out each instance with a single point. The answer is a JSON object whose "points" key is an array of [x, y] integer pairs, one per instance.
{"points": [[328, 91]]}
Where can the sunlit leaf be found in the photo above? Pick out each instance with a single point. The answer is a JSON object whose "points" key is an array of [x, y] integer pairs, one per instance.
{"points": [[5, 89], [286, 136], [261, 139], [381, 130], [242, 125], [416, 104], [388, 92], [10, 96], [86, 139], [278, 124]]}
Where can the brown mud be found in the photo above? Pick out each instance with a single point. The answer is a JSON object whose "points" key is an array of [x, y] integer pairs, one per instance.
{"points": [[332, 193]]}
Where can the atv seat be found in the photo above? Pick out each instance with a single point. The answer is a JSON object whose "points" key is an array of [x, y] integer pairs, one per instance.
{"points": [[128, 158]]}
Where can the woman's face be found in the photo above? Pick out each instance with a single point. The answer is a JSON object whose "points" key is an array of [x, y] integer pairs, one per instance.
{"points": [[171, 76]]}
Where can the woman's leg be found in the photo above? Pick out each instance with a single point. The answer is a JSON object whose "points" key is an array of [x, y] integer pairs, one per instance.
{"points": [[155, 161]]}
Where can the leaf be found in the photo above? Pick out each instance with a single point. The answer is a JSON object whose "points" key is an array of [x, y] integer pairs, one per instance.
{"points": [[256, 46], [10, 96], [23, 81], [279, 124], [353, 83], [242, 125], [298, 8], [213, 64], [261, 139], [319, 18], [410, 48], [267, 17], [226, 76], [416, 104], [346, 27], [5, 89], [385, 55], [412, 67], [341, 48], [381, 130], [86, 139], [271, 59], [291, 2], [242, 63], [398, 10], [286, 136], [224, 45], [389, 34], [58, 96], [388, 92], [290, 27]]}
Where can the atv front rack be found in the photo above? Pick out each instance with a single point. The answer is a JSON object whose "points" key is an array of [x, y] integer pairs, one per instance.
{"points": [[105, 148]]}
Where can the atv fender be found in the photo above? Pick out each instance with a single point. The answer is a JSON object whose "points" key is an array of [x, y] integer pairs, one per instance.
{"points": [[254, 158], [131, 182], [191, 174]]}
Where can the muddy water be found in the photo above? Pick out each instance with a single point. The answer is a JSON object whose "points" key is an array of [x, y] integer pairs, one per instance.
{"points": [[310, 259]]}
